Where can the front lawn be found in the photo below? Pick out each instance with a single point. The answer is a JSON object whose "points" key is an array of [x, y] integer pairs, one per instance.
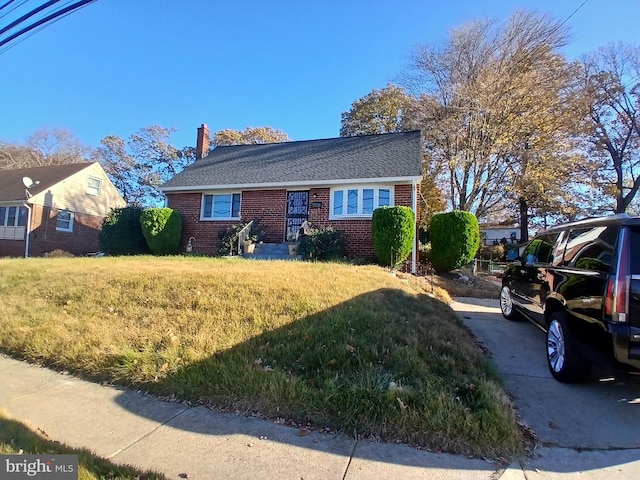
{"points": [[341, 347]]}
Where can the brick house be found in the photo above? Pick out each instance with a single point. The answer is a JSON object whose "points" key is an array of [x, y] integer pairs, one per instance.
{"points": [[337, 182], [63, 209]]}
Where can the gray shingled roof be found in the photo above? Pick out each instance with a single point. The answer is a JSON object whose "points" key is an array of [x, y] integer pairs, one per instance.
{"points": [[392, 155], [12, 188]]}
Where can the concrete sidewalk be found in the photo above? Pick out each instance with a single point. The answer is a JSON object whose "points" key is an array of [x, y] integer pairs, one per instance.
{"points": [[130, 428]]}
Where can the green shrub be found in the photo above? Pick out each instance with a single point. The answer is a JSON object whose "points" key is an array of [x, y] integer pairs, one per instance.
{"points": [[392, 228], [162, 229], [323, 244], [229, 239], [121, 232], [455, 238]]}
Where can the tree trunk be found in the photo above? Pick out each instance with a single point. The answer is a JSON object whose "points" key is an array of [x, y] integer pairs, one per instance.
{"points": [[524, 219]]}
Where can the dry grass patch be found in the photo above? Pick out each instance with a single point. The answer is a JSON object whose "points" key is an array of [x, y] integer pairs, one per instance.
{"points": [[477, 286], [351, 348]]}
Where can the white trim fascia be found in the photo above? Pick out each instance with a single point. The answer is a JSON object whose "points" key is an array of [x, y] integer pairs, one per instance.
{"points": [[284, 185], [14, 203]]}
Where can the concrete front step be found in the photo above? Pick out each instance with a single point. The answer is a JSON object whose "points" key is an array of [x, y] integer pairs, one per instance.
{"points": [[270, 251]]}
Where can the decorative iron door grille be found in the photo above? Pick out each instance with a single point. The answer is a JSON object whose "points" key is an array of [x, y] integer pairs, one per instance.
{"points": [[297, 212]]}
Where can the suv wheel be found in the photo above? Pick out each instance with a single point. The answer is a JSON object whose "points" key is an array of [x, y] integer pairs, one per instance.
{"points": [[506, 304], [565, 362]]}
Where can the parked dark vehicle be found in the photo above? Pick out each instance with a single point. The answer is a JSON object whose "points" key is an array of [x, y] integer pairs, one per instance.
{"points": [[580, 283]]}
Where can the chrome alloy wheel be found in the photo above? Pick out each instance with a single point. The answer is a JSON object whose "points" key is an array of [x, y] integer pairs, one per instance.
{"points": [[506, 302], [556, 346]]}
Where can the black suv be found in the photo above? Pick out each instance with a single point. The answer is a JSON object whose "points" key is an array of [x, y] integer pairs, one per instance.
{"points": [[580, 282]]}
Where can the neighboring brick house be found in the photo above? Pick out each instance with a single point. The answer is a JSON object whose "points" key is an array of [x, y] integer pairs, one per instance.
{"points": [[337, 182], [66, 205]]}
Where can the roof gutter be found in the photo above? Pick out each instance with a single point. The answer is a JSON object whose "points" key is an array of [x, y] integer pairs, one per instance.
{"points": [[306, 183], [27, 230]]}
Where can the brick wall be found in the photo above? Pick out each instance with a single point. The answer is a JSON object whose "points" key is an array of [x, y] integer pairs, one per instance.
{"points": [[270, 206], [357, 231], [206, 234], [11, 248], [45, 238]]}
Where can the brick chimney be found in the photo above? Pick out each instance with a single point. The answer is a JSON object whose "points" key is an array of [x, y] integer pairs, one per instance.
{"points": [[202, 144]]}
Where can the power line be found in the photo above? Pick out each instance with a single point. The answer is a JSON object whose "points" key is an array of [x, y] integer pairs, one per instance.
{"points": [[574, 12], [8, 3], [28, 15], [45, 20], [17, 6], [30, 34]]}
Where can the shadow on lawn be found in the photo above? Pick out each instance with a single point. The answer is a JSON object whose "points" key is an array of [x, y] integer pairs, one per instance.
{"points": [[326, 372], [361, 360]]}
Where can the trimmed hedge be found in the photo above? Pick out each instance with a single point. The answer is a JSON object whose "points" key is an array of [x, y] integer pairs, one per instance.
{"points": [[455, 239], [162, 229], [121, 232], [392, 227]]}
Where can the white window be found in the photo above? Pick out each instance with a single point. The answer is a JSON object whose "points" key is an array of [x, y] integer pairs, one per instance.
{"points": [[13, 216], [94, 185], [64, 221], [221, 206], [359, 201]]}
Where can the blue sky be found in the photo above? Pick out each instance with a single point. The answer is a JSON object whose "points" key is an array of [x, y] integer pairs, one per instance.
{"points": [[118, 65]]}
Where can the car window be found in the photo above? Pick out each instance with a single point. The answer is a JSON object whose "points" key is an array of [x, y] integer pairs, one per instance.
{"points": [[635, 250], [540, 249], [558, 250], [591, 248]]}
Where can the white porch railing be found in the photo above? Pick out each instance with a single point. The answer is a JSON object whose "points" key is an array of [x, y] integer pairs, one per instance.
{"points": [[243, 235]]}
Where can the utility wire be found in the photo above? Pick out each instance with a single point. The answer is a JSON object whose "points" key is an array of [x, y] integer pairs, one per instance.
{"points": [[46, 20], [8, 3], [17, 6], [28, 15], [574, 12], [30, 34]]}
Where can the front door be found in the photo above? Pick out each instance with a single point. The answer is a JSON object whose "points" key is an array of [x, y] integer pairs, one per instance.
{"points": [[297, 212]]}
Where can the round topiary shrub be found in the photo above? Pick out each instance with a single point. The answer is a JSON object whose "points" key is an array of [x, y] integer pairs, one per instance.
{"points": [[455, 239], [121, 233], [162, 229], [393, 233]]}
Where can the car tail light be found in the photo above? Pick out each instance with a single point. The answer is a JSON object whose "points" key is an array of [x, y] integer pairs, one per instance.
{"points": [[617, 291]]}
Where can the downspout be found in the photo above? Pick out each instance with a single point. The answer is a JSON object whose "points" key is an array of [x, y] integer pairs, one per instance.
{"points": [[414, 205], [28, 230]]}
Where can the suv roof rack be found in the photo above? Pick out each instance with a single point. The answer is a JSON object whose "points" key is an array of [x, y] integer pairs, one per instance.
{"points": [[617, 219]]}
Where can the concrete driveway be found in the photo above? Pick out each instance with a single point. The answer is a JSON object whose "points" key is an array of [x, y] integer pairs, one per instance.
{"points": [[603, 413]]}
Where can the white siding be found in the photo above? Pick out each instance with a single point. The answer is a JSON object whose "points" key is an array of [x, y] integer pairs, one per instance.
{"points": [[71, 194], [12, 233]]}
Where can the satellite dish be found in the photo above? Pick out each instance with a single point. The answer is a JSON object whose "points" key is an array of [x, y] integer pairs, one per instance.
{"points": [[28, 183]]}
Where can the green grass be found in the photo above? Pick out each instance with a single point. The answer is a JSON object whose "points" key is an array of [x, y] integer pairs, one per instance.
{"points": [[351, 348], [17, 438]]}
